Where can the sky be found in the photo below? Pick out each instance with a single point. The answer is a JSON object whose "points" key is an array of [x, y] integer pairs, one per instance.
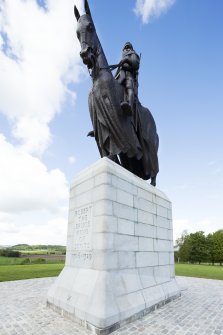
{"points": [[44, 117]]}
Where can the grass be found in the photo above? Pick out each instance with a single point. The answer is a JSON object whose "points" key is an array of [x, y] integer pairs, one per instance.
{"points": [[9, 270], [17, 272], [199, 271], [10, 260]]}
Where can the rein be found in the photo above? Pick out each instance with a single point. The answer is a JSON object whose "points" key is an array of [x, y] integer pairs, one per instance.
{"points": [[110, 67]]}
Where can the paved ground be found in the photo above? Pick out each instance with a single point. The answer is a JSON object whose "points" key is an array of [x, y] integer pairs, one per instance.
{"points": [[198, 311]]}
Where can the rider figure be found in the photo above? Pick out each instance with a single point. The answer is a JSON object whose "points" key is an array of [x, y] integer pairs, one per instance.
{"points": [[127, 75]]}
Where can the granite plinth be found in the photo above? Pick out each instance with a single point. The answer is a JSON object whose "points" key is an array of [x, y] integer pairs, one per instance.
{"points": [[119, 262]]}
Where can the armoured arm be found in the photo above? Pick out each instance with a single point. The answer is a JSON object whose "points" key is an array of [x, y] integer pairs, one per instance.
{"points": [[130, 62]]}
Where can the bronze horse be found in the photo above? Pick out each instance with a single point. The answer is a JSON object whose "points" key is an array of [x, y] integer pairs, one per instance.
{"points": [[129, 140]]}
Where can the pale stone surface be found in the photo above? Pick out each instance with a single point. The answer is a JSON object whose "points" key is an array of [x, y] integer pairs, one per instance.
{"points": [[199, 311], [119, 260]]}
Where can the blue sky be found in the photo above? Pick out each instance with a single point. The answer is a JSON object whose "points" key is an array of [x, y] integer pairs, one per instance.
{"points": [[44, 115]]}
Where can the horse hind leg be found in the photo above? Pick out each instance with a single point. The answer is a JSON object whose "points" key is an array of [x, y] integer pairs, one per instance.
{"points": [[153, 181], [114, 158]]}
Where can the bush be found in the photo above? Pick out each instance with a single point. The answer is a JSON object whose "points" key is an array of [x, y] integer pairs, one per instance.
{"points": [[9, 253]]}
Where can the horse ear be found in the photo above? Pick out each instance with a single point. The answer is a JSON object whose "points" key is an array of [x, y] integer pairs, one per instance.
{"points": [[87, 8], [76, 13]]}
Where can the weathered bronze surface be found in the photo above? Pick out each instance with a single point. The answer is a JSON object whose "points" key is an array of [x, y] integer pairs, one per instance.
{"points": [[124, 130]]}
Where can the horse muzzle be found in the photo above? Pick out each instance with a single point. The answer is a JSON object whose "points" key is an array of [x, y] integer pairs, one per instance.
{"points": [[87, 56]]}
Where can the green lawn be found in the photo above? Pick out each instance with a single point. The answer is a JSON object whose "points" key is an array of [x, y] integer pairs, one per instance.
{"points": [[200, 271], [17, 272], [10, 260]]}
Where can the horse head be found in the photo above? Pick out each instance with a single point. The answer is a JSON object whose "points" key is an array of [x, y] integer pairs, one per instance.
{"points": [[86, 35]]}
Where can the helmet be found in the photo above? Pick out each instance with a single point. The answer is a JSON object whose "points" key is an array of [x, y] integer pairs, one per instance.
{"points": [[128, 44]]}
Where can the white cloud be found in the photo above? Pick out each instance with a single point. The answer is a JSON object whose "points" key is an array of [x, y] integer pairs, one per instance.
{"points": [[40, 56], [26, 184], [39, 59], [6, 224], [149, 9], [52, 231]]}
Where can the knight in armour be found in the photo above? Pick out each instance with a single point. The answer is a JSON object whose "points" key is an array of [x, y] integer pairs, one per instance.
{"points": [[127, 75]]}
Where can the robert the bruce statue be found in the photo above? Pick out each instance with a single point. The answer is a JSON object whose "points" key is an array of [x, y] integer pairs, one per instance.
{"points": [[124, 130]]}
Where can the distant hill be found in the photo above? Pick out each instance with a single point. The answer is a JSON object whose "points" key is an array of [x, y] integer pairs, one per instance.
{"points": [[38, 247]]}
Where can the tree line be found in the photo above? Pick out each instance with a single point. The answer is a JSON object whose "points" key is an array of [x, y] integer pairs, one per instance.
{"points": [[200, 248]]}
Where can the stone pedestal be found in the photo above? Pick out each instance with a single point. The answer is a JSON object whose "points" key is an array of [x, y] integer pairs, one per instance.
{"points": [[119, 262]]}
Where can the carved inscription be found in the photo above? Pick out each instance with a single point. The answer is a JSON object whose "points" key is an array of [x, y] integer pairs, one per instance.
{"points": [[83, 233]]}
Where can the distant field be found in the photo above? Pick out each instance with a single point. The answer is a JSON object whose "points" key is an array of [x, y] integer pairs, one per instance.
{"points": [[40, 252], [46, 259], [200, 271], [17, 272]]}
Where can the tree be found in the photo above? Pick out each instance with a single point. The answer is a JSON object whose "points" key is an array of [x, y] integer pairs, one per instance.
{"points": [[210, 248], [198, 250], [218, 246], [184, 247]]}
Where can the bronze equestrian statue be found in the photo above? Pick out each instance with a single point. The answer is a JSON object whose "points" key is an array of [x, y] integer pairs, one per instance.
{"points": [[124, 130]]}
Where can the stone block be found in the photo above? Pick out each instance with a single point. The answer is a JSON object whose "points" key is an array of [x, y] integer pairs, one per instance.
{"points": [[126, 259], [145, 205], [162, 274], [103, 191], [162, 233], [145, 259], [145, 194], [103, 241], [164, 258], [125, 185], [145, 217], [126, 242], [146, 244], [146, 275], [161, 211], [126, 227], [153, 295], [105, 224], [105, 260], [103, 207], [124, 198], [162, 222], [126, 281], [144, 230], [102, 178], [124, 212], [131, 304]]}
